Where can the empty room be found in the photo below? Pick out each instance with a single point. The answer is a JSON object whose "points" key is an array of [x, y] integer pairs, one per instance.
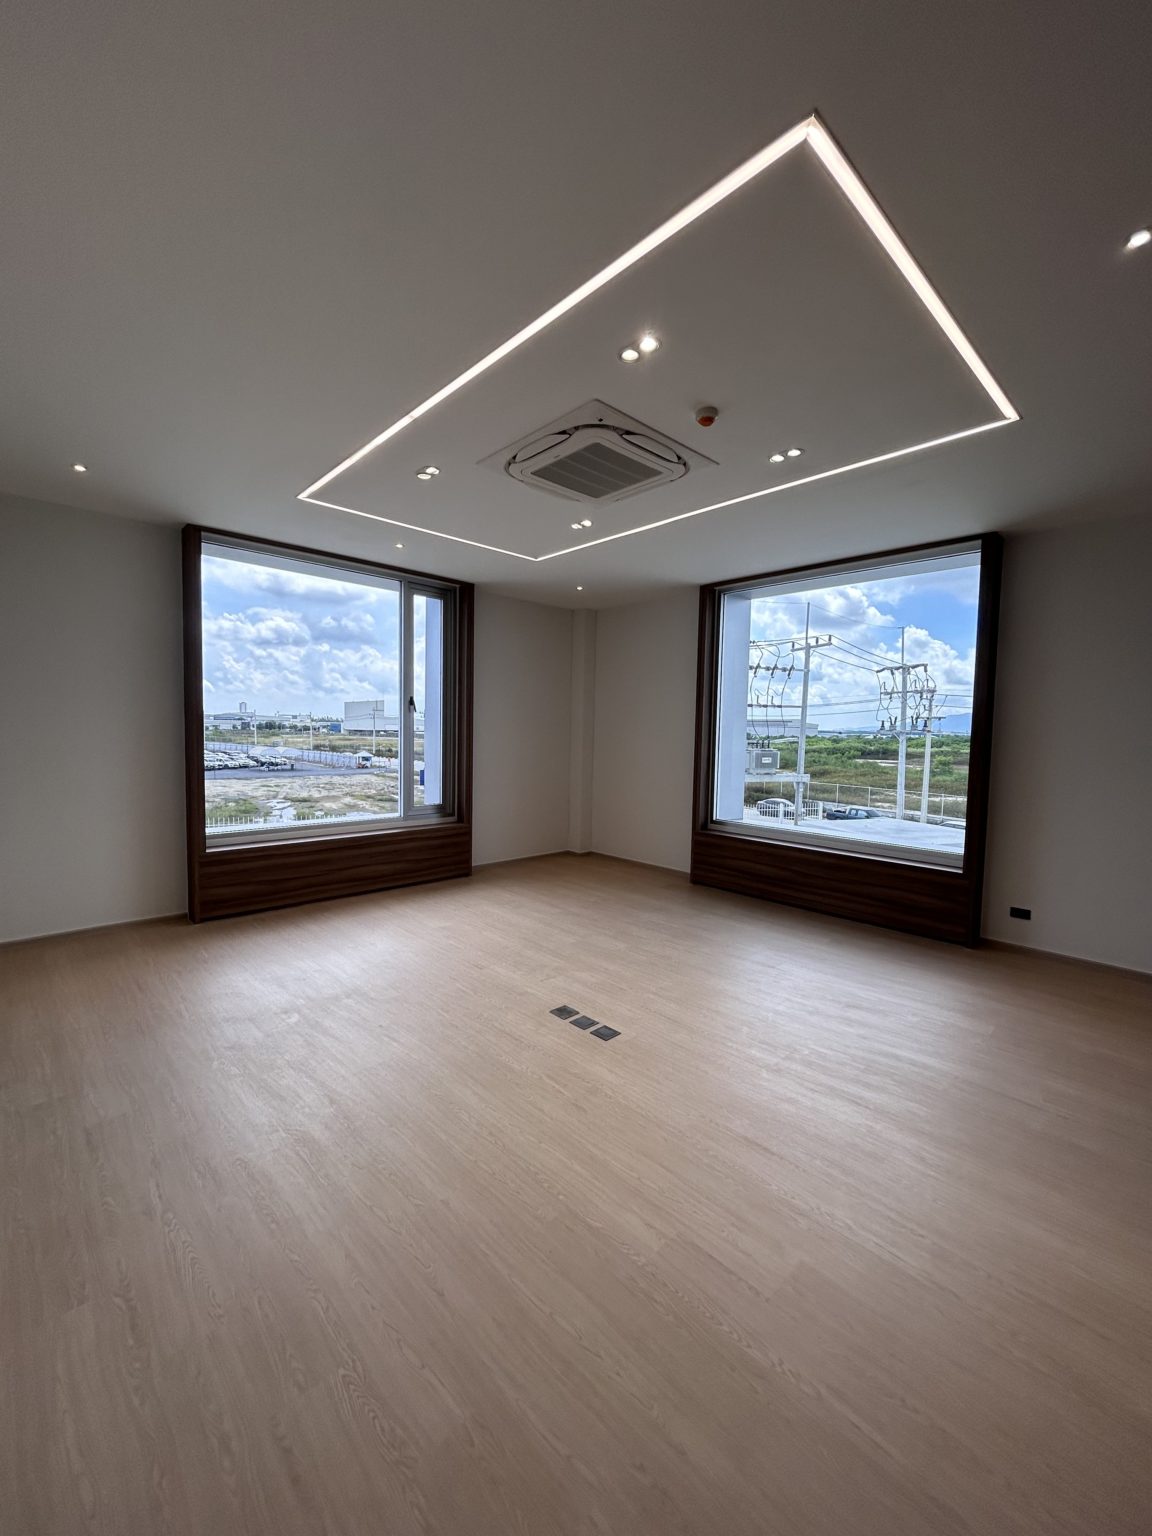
{"points": [[576, 784]]}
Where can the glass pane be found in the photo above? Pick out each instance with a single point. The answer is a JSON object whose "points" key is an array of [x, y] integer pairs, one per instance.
{"points": [[428, 696], [844, 709], [301, 694]]}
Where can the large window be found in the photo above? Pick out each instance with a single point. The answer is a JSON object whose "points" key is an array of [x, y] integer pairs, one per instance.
{"points": [[328, 724], [845, 711], [324, 694], [845, 707]]}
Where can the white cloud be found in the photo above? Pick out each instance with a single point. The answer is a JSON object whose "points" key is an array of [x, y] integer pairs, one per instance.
{"points": [[272, 626], [287, 641], [864, 624], [349, 626], [240, 576]]}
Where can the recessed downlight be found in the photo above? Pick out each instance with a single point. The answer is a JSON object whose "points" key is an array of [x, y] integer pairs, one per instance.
{"points": [[586, 523], [579, 589], [1138, 238], [629, 355], [794, 453], [648, 342], [776, 458], [399, 546], [577, 526], [81, 469], [427, 472]]}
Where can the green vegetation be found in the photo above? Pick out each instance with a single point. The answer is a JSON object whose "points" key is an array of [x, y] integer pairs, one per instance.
{"points": [[386, 744], [235, 808], [858, 764]]}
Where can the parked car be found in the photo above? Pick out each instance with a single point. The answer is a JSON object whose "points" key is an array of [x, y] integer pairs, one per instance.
{"points": [[852, 813], [780, 810]]}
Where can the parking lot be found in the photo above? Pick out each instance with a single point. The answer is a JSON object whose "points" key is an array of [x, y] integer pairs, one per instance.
{"points": [[289, 771]]}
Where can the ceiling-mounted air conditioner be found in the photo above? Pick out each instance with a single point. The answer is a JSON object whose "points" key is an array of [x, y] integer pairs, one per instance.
{"points": [[596, 454]]}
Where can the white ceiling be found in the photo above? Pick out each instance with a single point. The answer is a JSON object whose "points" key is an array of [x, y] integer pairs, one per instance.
{"points": [[237, 244]]}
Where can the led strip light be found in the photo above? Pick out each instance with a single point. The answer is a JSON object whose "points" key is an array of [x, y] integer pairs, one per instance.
{"points": [[812, 132]]}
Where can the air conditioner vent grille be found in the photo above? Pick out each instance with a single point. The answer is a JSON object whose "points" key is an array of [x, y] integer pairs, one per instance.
{"points": [[596, 471], [596, 454]]}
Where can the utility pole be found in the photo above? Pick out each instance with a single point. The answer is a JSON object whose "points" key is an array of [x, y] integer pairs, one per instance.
{"points": [[802, 744], [927, 773], [925, 694], [902, 755], [811, 643]]}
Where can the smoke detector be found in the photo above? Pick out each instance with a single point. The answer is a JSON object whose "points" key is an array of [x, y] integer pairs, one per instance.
{"points": [[596, 454]]}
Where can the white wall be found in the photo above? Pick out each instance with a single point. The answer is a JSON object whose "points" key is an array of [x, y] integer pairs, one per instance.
{"points": [[645, 727], [1075, 667], [581, 758], [523, 720], [92, 762], [1071, 817]]}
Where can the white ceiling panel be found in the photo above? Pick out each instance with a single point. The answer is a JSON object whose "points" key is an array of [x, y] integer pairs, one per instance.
{"points": [[235, 243], [778, 306]]}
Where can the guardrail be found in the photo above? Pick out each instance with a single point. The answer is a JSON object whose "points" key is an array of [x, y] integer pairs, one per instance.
{"points": [[786, 812]]}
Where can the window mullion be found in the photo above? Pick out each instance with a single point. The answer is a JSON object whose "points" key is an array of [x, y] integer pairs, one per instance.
{"points": [[407, 687]]}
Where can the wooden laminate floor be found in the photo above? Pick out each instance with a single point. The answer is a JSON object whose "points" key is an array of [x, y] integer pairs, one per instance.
{"points": [[317, 1222]]}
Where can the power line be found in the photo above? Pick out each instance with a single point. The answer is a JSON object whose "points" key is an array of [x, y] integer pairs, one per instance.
{"points": [[864, 623], [828, 614], [849, 661], [861, 650]]}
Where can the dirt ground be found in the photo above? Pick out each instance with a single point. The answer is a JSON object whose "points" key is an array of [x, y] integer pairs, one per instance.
{"points": [[295, 797]]}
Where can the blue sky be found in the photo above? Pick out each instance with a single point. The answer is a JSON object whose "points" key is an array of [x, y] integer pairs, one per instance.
{"points": [[937, 610], [290, 641]]}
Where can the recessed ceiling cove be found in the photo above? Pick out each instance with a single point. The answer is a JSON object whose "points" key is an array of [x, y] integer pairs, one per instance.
{"points": [[789, 315]]}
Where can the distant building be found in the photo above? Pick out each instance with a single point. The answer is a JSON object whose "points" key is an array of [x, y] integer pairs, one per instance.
{"points": [[235, 720], [371, 715]]}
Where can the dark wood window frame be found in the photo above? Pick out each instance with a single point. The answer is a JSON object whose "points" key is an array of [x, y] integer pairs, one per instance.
{"points": [[935, 902], [250, 877]]}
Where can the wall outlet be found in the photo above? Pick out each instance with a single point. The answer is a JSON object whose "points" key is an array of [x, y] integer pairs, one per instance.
{"points": [[1024, 912]]}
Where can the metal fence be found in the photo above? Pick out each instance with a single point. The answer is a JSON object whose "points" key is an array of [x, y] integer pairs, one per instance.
{"points": [[236, 823], [216, 823], [324, 759], [299, 755], [942, 808]]}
